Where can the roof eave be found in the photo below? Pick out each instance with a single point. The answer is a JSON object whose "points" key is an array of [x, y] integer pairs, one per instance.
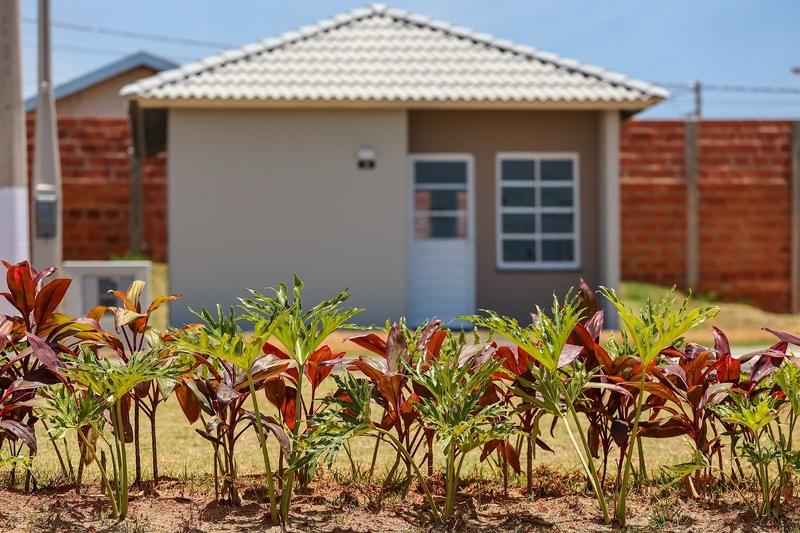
{"points": [[105, 73], [205, 103]]}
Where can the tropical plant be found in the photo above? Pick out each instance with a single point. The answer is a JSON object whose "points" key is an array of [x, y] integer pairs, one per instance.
{"points": [[394, 391], [106, 384], [656, 326], [301, 334], [222, 339], [30, 344], [134, 332], [556, 389], [685, 386], [455, 383], [451, 407]]}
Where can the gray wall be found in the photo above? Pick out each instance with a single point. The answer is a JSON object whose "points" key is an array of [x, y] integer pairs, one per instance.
{"points": [[257, 195]]}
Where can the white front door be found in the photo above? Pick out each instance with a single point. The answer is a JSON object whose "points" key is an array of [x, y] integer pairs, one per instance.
{"points": [[442, 251]]}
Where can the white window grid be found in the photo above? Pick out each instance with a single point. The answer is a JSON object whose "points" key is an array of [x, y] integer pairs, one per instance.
{"points": [[538, 210]]}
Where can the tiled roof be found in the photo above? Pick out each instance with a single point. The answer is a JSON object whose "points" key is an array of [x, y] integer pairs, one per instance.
{"points": [[380, 54], [127, 63]]}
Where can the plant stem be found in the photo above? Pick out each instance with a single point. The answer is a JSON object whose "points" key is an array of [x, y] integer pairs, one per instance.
{"points": [[353, 469], [153, 441], [588, 463], [262, 438], [451, 483], [374, 457], [529, 465], [67, 475], [286, 495], [122, 485], [136, 443], [103, 474], [436, 517], [622, 497]]}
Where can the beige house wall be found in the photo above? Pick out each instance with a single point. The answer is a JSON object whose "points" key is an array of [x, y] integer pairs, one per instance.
{"points": [[257, 195], [102, 99], [486, 133]]}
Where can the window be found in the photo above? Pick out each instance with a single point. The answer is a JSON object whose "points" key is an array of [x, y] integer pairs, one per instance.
{"points": [[440, 199], [537, 211]]}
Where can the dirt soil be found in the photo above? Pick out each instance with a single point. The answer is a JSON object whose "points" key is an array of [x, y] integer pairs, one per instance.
{"points": [[331, 507]]}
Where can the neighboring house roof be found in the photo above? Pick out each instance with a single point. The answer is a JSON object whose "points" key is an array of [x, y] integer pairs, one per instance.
{"points": [[380, 54], [139, 59]]}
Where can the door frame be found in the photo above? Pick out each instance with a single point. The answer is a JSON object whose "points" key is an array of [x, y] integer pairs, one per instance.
{"points": [[471, 281]]}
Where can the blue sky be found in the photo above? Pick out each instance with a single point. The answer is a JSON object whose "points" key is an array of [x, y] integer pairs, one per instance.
{"points": [[722, 42]]}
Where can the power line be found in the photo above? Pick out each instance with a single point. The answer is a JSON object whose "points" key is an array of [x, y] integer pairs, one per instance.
{"points": [[100, 51], [81, 50], [731, 88], [133, 35]]}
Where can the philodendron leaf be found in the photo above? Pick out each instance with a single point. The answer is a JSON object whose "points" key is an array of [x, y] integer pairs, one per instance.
{"points": [[658, 324]]}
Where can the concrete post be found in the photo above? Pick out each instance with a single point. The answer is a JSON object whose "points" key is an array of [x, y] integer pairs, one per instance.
{"points": [[692, 206], [610, 218], [14, 232], [47, 198], [795, 219]]}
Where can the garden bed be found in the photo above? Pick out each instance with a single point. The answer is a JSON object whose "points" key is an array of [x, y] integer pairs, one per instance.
{"points": [[331, 506]]}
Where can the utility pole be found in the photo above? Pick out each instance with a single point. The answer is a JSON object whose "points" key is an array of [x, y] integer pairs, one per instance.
{"points": [[14, 232], [698, 99], [46, 204]]}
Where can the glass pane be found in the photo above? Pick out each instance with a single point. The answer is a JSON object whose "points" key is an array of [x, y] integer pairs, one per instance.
{"points": [[562, 250], [446, 200], [557, 224], [519, 251], [519, 197], [440, 172], [557, 196], [557, 170], [440, 227], [514, 170], [519, 223]]}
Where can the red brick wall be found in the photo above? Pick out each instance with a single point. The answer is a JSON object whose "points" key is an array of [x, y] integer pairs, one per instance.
{"points": [[95, 168], [744, 175]]}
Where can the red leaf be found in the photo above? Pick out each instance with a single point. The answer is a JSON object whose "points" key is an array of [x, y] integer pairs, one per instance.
{"points": [[435, 345], [371, 342], [48, 299], [271, 349], [44, 353], [188, 403], [315, 371], [396, 348], [513, 458], [390, 388], [721, 343], [367, 369], [288, 408], [23, 291], [275, 389]]}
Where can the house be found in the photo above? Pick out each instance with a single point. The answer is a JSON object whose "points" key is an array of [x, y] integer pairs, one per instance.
{"points": [[97, 93], [431, 169]]}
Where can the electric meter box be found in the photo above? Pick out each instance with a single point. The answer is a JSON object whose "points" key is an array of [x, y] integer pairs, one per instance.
{"points": [[46, 205]]}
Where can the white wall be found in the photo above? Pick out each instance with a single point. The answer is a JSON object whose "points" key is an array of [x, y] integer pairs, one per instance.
{"points": [[257, 195]]}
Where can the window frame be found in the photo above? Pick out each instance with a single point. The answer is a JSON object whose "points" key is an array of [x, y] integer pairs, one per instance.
{"points": [[538, 210]]}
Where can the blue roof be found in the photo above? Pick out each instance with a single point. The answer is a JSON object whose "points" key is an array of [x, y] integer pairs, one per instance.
{"points": [[139, 59]]}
